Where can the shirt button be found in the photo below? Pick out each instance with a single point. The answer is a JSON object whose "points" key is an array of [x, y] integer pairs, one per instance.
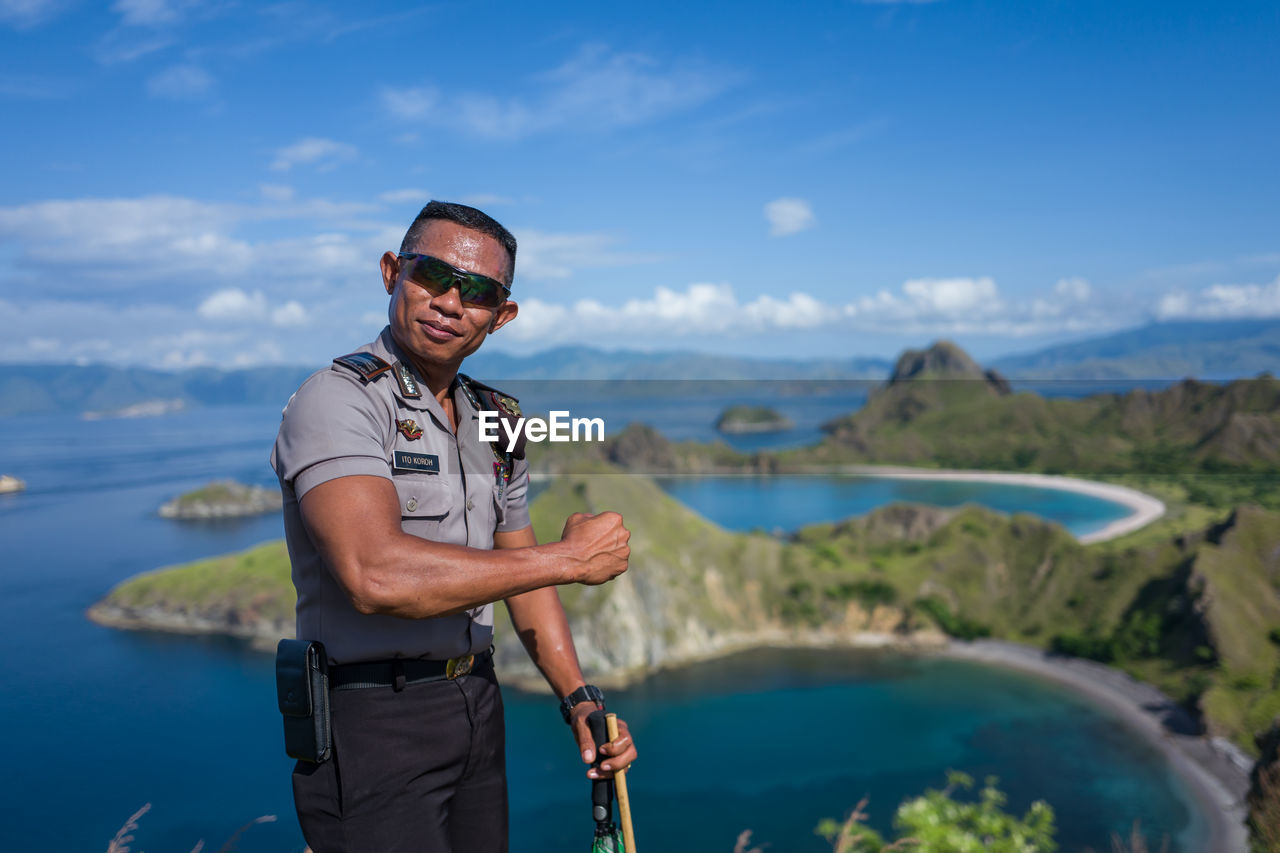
{"points": [[411, 504], [470, 504]]}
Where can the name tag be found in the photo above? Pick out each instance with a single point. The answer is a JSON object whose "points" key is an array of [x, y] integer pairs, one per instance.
{"points": [[427, 462]]}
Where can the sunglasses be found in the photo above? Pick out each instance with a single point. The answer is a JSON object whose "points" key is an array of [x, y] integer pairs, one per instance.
{"points": [[437, 277]]}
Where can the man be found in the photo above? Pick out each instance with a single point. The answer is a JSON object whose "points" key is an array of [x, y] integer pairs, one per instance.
{"points": [[402, 528]]}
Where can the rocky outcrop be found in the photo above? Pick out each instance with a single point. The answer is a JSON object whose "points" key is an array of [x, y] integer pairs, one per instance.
{"points": [[1264, 790], [223, 499], [262, 630], [944, 360], [737, 420], [248, 595]]}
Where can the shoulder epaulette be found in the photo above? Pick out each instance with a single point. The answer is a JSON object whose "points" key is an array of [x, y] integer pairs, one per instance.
{"points": [[367, 365], [490, 399], [499, 401]]}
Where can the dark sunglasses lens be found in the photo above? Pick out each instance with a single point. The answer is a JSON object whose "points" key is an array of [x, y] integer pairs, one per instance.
{"points": [[429, 274], [436, 277], [486, 293]]}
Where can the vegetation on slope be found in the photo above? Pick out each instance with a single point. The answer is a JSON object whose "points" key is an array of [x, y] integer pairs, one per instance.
{"points": [[247, 594]]}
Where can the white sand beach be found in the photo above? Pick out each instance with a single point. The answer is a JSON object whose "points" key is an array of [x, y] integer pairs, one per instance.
{"points": [[1216, 772], [1146, 509]]}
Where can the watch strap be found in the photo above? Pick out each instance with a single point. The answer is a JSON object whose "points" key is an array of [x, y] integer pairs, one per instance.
{"points": [[585, 693]]}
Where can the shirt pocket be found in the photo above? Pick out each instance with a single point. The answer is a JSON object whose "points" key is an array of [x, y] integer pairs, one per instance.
{"points": [[422, 498]]}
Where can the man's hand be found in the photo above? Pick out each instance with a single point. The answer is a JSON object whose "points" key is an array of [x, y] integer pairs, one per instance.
{"points": [[599, 544], [616, 754]]}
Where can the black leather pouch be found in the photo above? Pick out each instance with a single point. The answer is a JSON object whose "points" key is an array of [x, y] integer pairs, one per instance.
{"points": [[302, 691]]}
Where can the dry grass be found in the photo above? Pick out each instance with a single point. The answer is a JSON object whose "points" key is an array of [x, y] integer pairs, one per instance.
{"points": [[120, 843]]}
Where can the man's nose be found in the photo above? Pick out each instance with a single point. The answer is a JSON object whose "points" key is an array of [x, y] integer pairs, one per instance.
{"points": [[449, 302]]}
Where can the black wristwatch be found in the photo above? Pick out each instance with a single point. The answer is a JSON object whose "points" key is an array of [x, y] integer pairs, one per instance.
{"points": [[585, 693]]}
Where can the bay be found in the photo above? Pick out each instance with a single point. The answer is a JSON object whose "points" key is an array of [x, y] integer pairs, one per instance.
{"points": [[101, 721]]}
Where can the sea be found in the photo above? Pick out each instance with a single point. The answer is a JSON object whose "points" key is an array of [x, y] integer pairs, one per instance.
{"points": [[102, 723]]}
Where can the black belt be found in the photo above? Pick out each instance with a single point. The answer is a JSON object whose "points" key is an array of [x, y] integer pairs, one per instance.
{"points": [[400, 672]]}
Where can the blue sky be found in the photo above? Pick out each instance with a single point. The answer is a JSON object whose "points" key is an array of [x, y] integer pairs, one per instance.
{"points": [[195, 182]]}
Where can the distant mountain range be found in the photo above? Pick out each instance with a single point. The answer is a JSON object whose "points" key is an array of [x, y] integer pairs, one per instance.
{"points": [[1210, 350], [1231, 349]]}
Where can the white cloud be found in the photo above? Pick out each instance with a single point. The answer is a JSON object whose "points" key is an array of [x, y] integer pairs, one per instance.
{"points": [[419, 197], [1075, 289], [788, 216], [119, 246], [542, 255], [152, 13], [594, 89], [180, 82], [289, 314], [1222, 301], [324, 154], [412, 103], [235, 305], [276, 192], [27, 13], [701, 309], [951, 296], [943, 306], [487, 200]]}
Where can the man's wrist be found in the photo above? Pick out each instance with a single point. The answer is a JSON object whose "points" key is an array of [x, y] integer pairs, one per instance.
{"points": [[585, 693]]}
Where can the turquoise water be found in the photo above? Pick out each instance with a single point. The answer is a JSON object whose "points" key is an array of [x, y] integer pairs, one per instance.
{"points": [[99, 721], [788, 503]]}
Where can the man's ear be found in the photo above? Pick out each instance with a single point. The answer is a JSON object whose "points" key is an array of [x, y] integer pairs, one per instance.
{"points": [[506, 312], [390, 265]]}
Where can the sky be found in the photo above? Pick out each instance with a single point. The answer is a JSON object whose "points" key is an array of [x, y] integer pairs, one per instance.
{"points": [[211, 183]]}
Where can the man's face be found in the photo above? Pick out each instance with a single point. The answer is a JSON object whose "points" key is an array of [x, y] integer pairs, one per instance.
{"points": [[440, 331]]}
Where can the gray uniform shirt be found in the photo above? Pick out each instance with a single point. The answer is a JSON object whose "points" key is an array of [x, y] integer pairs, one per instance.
{"points": [[338, 424]]}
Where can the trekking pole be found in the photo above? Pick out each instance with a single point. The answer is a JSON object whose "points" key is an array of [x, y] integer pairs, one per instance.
{"points": [[624, 802]]}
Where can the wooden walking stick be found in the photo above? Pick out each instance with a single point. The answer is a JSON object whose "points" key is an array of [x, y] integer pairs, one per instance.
{"points": [[624, 802]]}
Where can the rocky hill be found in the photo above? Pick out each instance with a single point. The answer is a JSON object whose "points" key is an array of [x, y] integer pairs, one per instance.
{"points": [[248, 595], [967, 418], [222, 499]]}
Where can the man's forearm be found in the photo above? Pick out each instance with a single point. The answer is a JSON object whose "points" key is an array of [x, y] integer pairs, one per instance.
{"points": [[355, 524], [418, 579], [539, 620]]}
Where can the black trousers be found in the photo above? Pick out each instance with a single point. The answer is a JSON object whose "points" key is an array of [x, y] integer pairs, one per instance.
{"points": [[420, 770]]}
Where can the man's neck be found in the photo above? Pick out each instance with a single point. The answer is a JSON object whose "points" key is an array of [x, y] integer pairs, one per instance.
{"points": [[438, 378]]}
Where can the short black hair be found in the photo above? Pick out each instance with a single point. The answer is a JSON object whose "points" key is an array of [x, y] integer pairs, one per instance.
{"points": [[468, 217]]}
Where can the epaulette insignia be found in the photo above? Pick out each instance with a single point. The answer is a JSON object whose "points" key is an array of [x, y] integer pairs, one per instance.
{"points": [[408, 385], [368, 365], [505, 404], [508, 408]]}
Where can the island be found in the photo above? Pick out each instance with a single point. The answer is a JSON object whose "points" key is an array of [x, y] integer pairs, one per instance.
{"points": [[223, 499], [737, 420], [145, 409], [10, 484]]}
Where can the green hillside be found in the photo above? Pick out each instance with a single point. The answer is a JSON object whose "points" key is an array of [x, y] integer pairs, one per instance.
{"points": [[1196, 613]]}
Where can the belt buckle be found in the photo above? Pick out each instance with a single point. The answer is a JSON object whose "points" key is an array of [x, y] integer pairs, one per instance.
{"points": [[459, 666]]}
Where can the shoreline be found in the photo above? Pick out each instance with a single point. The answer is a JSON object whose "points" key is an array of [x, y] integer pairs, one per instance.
{"points": [[1215, 774], [1144, 508]]}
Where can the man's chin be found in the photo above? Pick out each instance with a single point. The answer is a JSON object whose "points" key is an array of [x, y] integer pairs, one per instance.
{"points": [[434, 354]]}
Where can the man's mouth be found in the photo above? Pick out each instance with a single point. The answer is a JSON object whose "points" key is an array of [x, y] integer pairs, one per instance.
{"points": [[438, 331]]}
